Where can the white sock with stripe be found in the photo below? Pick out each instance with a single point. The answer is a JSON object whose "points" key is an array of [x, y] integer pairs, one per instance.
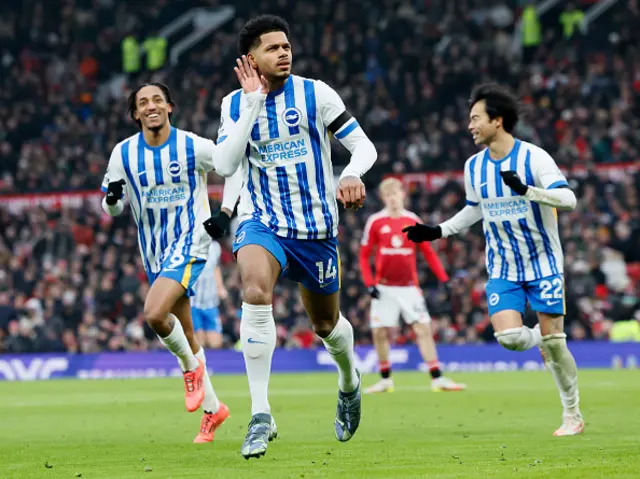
{"points": [[258, 338], [211, 402], [563, 368], [339, 345], [178, 345]]}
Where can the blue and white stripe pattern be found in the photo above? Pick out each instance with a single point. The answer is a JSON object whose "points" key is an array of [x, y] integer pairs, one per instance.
{"points": [[206, 288], [290, 186], [523, 242], [167, 192]]}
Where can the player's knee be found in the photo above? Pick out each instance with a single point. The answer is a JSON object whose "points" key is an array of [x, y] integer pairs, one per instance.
{"points": [[255, 293], [323, 328], [513, 339], [155, 317], [380, 334], [422, 330]]}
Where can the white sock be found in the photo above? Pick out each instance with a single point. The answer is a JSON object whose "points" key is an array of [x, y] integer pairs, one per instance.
{"points": [[211, 402], [563, 367], [339, 344], [178, 345], [258, 337], [519, 339]]}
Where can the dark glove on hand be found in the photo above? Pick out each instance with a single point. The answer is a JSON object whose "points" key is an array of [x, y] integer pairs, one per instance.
{"points": [[513, 181], [114, 192], [218, 225], [373, 292], [419, 232]]}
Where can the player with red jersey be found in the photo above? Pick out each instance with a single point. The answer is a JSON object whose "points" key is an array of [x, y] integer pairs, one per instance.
{"points": [[395, 288]]}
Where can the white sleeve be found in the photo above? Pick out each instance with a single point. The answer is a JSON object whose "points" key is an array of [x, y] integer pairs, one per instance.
{"points": [[115, 169], [232, 187], [546, 173], [204, 150], [346, 130], [214, 252], [115, 172], [233, 137], [470, 192], [465, 218]]}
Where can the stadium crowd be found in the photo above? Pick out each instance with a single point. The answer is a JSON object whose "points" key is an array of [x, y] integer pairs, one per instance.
{"points": [[71, 279]]}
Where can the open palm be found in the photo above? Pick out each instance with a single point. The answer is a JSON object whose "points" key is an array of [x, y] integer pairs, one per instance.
{"points": [[248, 77]]}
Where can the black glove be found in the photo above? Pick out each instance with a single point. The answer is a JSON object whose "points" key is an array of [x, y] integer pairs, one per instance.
{"points": [[513, 181], [373, 292], [419, 232], [114, 192], [218, 225]]}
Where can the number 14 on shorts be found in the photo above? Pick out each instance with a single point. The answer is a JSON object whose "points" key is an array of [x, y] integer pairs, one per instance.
{"points": [[326, 273]]}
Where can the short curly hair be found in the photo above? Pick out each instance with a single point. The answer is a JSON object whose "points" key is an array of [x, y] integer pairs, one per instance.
{"points": [[250, 34]]}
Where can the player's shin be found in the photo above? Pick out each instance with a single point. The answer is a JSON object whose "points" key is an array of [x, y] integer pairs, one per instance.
{"points": [[563, 367], [427, 346], [339, 344], [211, 402], [258, 337], [177, 343], [381, 343]]}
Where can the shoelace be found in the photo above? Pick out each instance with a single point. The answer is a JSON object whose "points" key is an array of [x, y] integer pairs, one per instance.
{"points": [[207, 423], [189, 380], [350, 406], [256, 431]]}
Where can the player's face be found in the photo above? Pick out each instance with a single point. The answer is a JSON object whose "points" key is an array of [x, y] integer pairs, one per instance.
{"points": [[393, 198], [482, 128], [273, 56], [152, 108]]}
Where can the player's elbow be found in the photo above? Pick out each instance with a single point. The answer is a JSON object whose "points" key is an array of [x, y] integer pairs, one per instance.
{"points": [[572, 201], [225, 169]]}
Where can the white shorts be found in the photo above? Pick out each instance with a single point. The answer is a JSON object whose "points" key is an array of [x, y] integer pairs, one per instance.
{"points": [[408, 300]]}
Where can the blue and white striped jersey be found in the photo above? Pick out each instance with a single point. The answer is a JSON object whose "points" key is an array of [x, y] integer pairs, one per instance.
{"points": [[166, 187], [289, 184], [206, 288], [523, 243]]}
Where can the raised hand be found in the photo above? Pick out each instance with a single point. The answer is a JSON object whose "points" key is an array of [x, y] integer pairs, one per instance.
{"points": [[249, 79]]}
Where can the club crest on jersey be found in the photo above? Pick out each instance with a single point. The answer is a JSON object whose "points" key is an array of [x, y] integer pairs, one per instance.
{"points": [[386, 229], [291, 116], [174, 168], [397, 241]]}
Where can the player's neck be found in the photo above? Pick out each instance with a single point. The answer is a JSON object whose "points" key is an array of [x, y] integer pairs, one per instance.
{"points": [[394, 213], [501, 146], [157, 137], [276, 84]]}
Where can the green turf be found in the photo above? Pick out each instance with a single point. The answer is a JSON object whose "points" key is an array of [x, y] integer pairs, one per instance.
{"points": [[500, 427]]}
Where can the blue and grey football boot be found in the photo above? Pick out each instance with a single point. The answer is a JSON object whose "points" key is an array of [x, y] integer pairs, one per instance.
{"points": [[348, 413], [262, 430]]}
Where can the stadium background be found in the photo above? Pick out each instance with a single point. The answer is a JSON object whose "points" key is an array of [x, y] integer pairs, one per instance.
{"points": [[71, 279]]}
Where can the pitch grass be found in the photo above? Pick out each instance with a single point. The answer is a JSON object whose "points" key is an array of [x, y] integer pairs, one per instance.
{"points": [[500, 427]]}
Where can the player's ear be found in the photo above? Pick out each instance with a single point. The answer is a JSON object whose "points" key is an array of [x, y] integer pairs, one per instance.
{"points": [[169, 108], [252, 60]]}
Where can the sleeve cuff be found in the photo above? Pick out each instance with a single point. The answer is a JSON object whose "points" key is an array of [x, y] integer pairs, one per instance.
{"points": [[472, 203], [103, 189], [557, 184]]}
